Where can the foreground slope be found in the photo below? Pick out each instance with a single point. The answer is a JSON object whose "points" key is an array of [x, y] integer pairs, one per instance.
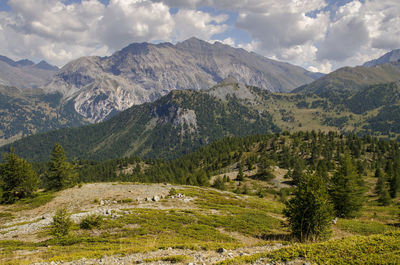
{"points": [[165, 223]]}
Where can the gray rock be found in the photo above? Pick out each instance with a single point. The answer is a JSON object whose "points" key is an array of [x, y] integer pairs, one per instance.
{"points": [[221, 250]]}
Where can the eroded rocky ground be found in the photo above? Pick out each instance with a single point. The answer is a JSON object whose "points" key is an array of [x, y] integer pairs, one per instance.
{"points": [[113, 201]]}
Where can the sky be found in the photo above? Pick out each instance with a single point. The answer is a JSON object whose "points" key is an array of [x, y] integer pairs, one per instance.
{"points": [[319, 35]]}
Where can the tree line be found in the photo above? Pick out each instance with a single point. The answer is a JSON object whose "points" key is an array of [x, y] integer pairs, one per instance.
{"points": [[19, 180]]}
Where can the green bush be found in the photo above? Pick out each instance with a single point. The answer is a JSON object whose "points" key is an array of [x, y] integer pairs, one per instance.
{"points": [[61, 223], [172, 192], [91, 221]]}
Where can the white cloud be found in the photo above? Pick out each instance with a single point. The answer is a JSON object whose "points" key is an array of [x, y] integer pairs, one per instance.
{"points": [[58, 32], [191, 23], [228, 41], [346, 35]]}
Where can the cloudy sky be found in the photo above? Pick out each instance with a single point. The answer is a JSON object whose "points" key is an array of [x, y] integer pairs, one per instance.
{"points": [[320, 35]]}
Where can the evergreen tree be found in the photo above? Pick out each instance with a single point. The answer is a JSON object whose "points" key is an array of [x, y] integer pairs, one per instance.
{"points": [[309, 212], [240, 176], [347, 189], [61, 174], [380, 183], [384, 196], [18, 179]]}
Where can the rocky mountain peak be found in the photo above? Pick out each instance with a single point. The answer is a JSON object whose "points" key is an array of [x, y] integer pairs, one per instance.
{"points": [[392, 56], [143, 72], [46, 66]]}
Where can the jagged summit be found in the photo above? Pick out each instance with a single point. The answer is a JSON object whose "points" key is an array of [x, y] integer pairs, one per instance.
{"points": [[24, 73]]}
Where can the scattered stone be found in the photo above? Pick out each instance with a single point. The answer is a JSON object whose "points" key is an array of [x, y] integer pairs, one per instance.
{"points": [[115, 202], [148, 199], [101, 202], [156, 198]]}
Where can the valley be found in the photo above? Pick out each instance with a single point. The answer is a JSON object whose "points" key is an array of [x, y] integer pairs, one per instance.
{"points": [[198, 153]]}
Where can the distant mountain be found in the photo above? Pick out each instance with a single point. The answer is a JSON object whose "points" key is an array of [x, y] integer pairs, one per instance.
{"points": [[392, 56], [349, 80], [172, 125], [24, 73], [142, 72]]}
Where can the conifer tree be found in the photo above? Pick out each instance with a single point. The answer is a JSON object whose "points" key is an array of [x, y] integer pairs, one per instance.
{"points": [[347, 189], [61, 174], [310, 211], [18, 179]]}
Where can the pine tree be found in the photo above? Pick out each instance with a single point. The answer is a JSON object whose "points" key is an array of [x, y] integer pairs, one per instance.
{"points": [[61, 174], [347, 189], [380, 183], [19, 180], [384, 196], [309, 212]]}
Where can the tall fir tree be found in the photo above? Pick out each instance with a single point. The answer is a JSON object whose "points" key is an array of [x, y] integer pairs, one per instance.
{"points": [[19, 180], [347, 189], [61, 174]]}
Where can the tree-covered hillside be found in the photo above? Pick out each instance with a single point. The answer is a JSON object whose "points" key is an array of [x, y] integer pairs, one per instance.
{"points": [[176, 124]]}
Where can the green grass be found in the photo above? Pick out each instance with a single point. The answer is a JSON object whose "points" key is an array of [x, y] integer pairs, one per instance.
{"points": [[33, 202], [361, 227], [6, 216], [172, 259], [376, 249]]}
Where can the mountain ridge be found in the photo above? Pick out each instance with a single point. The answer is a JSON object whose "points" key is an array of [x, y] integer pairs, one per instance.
{"points": [[143, 72], [392, 56]]}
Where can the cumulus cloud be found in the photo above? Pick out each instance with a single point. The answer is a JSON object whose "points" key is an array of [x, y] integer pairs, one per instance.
{"points": [[197, 23], [60, 32], [315, 34]]}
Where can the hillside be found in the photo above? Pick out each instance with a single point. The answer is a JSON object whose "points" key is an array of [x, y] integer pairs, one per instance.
{"points": [[173, 125], [142, 223], [178, 123], [349, 80], [143, 72], [24, 113]]}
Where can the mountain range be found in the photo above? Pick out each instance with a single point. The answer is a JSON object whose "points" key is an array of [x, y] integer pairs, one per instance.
{"points": [[143, 72], [25, 74], [164, 100], [93, 89]]}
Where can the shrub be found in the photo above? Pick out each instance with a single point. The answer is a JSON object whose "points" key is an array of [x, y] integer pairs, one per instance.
{"points": [[91, 221], [61, 223], [309, 211], [172, 192]]}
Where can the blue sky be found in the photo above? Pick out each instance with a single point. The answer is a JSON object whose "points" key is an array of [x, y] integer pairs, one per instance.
{"points": [[319, 35]]}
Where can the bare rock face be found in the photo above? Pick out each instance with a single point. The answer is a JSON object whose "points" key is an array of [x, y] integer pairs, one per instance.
{"points": [[143, 72]]}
